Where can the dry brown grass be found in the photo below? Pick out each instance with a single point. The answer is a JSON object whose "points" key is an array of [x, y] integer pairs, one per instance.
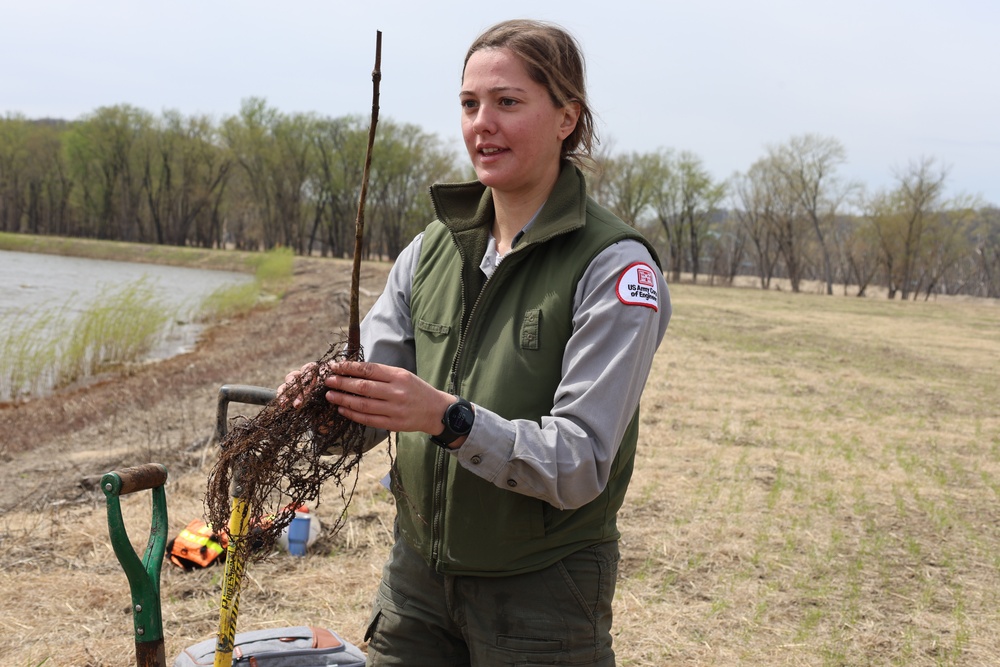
{"points": [[816, 484]]}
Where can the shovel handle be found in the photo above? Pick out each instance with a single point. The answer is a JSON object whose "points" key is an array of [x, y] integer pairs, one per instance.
{"points": [[143, 574], [138, 478], [238, 393]]}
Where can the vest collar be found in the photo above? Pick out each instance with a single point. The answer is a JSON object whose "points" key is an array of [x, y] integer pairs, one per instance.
{"points": [[463, 207]]}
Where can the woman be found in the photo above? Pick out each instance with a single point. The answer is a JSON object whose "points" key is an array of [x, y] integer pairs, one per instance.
{"points": [[508, 352]]}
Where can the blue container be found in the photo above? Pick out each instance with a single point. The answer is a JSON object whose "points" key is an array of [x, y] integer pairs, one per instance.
{"points": [[298, 535]]}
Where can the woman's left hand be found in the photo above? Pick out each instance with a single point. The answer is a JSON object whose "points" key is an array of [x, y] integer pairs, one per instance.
{"points": [[386, 397]]}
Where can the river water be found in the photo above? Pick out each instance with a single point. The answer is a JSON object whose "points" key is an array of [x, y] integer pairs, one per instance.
{"points": [[40, 282]]}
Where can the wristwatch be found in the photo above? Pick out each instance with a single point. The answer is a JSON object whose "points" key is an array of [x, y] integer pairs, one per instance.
{"points": [[457, 422]]}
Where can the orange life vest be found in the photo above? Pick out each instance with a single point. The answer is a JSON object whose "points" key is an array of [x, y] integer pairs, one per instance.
{"points": [[197, 546]]}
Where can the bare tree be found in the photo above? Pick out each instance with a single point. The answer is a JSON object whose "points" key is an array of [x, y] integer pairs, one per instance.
{"points": [[700, 196], [727, 247], [407, 162], [340, 147], [948, 240], [34, 184], [248, 135], [903, 220], [807, 165], [667, 208], [753, 211], [856, 252], [986, 259], [627, 185], [184, 171], [683, 197], [104, 160], [777, 208]]}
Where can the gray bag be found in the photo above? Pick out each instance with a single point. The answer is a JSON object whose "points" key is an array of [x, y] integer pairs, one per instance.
{"points": [[300, 646]]}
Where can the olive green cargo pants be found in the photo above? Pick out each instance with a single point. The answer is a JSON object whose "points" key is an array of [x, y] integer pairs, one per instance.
{"points": [[557, 616]]}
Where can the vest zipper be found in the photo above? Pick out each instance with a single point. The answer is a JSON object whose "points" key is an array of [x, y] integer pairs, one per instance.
{"points": [[453, 374], [441, 458], [437, 513]]}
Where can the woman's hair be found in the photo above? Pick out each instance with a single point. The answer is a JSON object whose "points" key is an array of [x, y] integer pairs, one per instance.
{"points": [[553, 59]]}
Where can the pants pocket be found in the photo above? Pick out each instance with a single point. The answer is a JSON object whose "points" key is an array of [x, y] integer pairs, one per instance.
{"points": [[590, 576]]}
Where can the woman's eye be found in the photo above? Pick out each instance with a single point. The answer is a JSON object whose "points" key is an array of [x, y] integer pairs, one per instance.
{"points": [[468, 104], [507, 102]]}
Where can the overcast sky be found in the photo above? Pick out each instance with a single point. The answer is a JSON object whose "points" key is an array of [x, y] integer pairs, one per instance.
{"points": [[893, 80]]}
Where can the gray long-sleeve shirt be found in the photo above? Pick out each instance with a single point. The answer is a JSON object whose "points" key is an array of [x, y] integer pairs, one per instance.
{"points": [[566, 459]]}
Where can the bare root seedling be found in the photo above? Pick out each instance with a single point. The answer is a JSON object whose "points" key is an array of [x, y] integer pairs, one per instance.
{"points": [[281, 458]]}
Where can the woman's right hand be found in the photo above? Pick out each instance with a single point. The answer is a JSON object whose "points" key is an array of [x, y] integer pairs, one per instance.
{"points": [[300, 383]]}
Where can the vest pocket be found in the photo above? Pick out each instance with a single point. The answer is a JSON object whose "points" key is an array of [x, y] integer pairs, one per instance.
{"points": [[531, 330], [433, 328]]}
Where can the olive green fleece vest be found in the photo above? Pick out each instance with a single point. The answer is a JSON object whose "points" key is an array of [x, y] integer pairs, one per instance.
{"points": [[499, 343]]}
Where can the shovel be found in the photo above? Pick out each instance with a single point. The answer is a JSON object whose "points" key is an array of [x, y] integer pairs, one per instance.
{"points": [[143, 575]]}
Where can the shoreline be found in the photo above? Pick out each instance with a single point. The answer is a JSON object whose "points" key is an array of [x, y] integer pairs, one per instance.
{"points": [[62, 312], [123, 251], [259, 346]]}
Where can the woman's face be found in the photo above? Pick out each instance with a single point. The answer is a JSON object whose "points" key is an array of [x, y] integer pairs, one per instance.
{"points": [[512, 130]]}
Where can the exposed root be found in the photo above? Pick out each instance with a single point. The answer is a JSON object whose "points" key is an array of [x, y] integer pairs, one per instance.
{"points": [[281, 458]]}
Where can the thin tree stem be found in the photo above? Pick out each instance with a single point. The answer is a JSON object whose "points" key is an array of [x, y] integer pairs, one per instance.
{"points": [[354, 328]]}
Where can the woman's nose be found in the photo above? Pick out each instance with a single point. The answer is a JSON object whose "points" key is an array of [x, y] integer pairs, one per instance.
{"points": [[484, 121]]}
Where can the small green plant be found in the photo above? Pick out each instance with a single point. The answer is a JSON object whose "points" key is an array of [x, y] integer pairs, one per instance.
{"points": [[120, 326], [230, 301], [274, 270], [26, 350], [45, 349]]}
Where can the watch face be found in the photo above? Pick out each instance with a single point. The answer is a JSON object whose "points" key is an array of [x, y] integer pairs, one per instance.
{"points": [[460, 419]]}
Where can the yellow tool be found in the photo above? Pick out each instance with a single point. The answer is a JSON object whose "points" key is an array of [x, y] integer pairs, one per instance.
{"points": [[238, 525]]}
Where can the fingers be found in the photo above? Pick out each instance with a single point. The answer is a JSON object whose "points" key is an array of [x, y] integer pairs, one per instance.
{"points": [[307, 369], [365, 379], [374, 389], [371, 394], [362, 369], [381, 396], [368, 411], [302, 382], [299, 383]]}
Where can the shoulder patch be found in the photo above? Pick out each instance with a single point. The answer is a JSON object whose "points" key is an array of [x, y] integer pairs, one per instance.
{"points": [[637, 286]]}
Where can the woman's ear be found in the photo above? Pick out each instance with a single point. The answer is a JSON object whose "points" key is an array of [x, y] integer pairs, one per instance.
{"points": [[571, 114]]}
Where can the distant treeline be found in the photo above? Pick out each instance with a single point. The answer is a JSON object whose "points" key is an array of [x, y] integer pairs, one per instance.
{"points": [[256, 180], [261, 179]]}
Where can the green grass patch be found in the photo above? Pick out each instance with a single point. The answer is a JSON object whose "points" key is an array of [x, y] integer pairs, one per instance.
{"points": [[229, 301], [42, 348], [27, 349], [274, 270], [120, 326], [272, 274]]}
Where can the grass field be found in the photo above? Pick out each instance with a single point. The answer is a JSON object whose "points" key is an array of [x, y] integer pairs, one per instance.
{"points": [[816, 484]]}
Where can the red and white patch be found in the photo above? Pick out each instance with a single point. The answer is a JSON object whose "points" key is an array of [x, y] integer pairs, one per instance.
{"points": [[637, 286]]}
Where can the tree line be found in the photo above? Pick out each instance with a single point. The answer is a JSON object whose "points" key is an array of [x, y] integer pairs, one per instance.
{"points": [[254, 181], [261, 178], [792, 216]]}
